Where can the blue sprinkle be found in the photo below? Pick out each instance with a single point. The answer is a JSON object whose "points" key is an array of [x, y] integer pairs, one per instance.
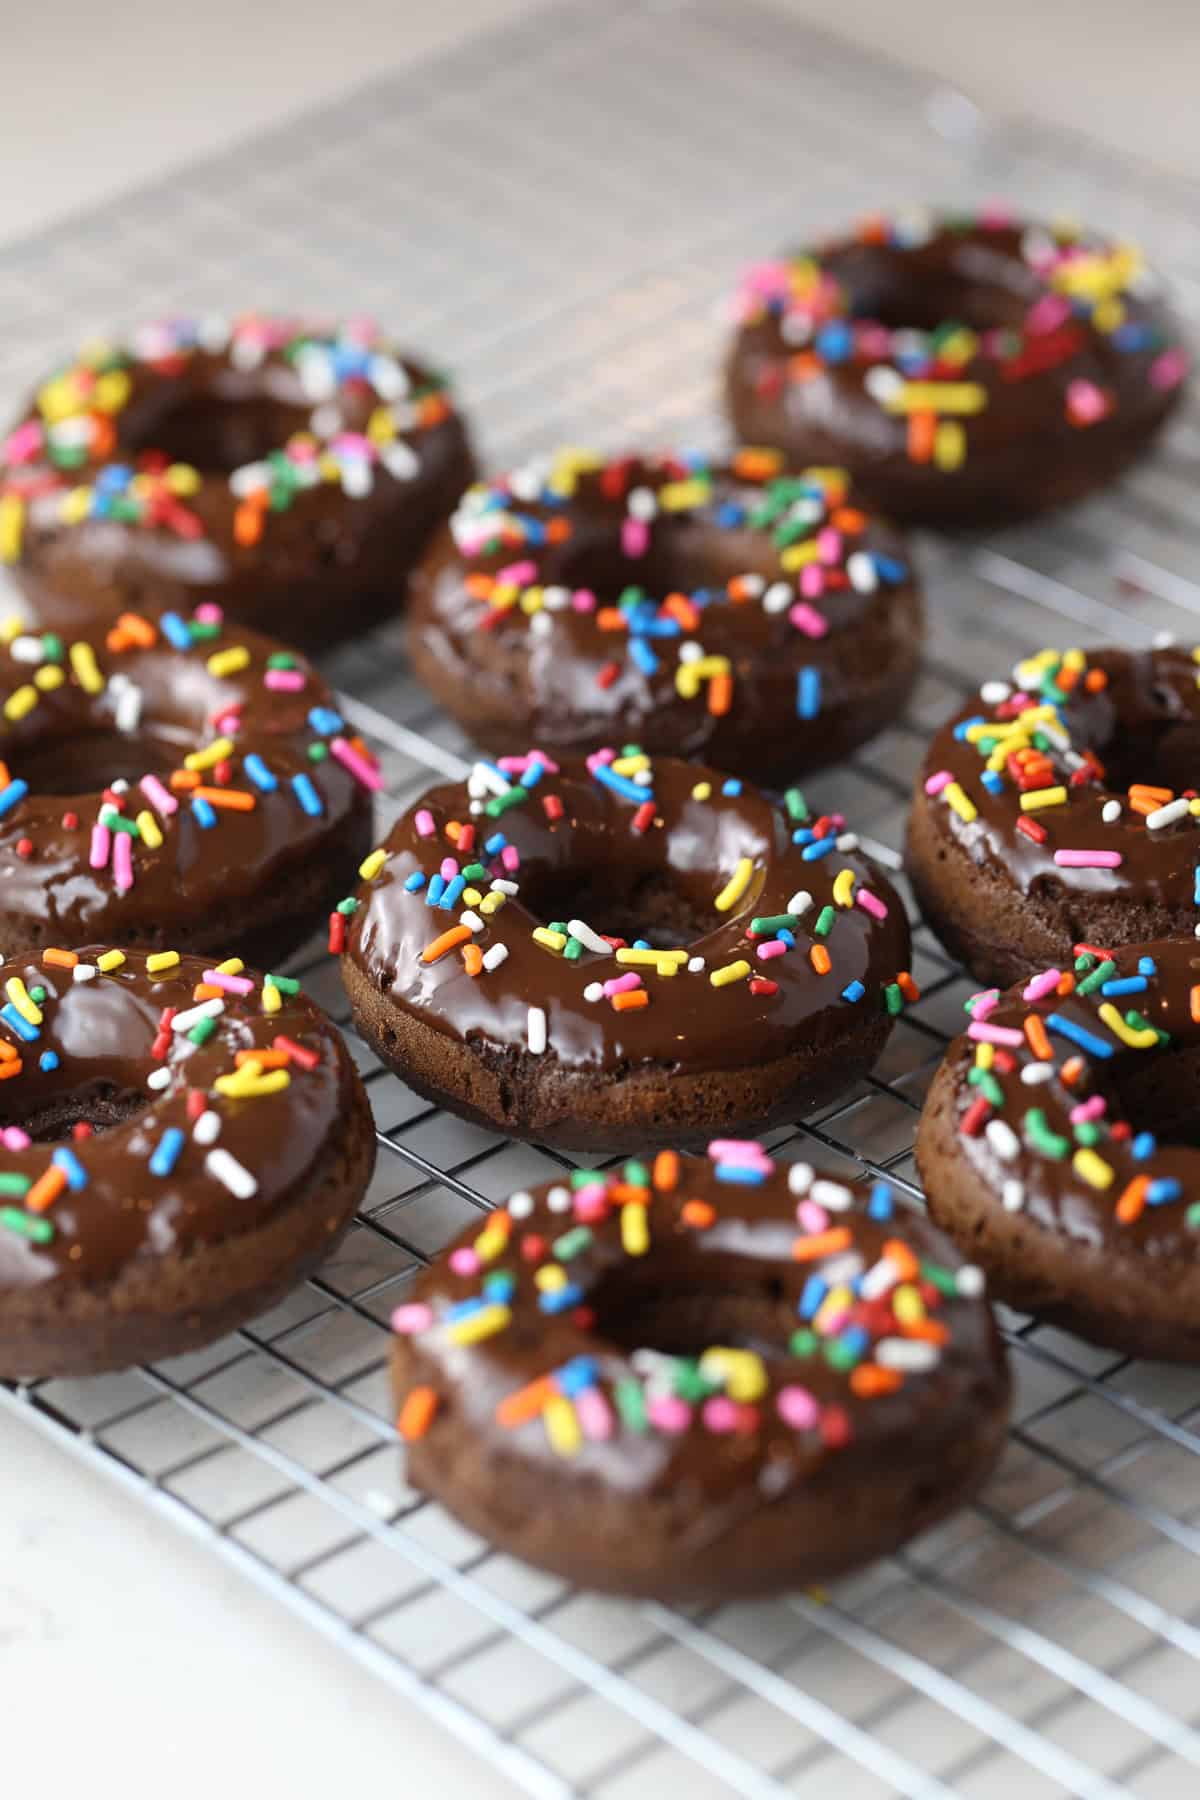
{"points": [[114, 478], [854, 991], [22, 1027], [453, 889], [786, 937], [993, 781], [891, 568], [732, 787], [48, 1060], [414, 882], [641, 944], [560, 1299], [175, 631], [821, 847], [964, 725], [812, 1294], [881, 1204], [166, 1151], [644, 656], [833, 342], [462, 1309], [203, 813], [808, 692], [1087, 1040], [1131, 337], [496, 843], [580, 1373], [856, 1339], [1163, 1191], [12, 795], [307, 795], [325, 721], [533, 772], [1143, 1145], [499, 1286], [1126, 984], [71, 1167], [1196, 887], [803, 834], [1147, 965], [437, 887], [259, 773], [620, 784], [743, 1174]]}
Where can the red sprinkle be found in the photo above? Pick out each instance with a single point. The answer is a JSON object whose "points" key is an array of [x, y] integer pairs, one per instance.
{"points": [[608, 674], [760, 985], [337, 933], [643, 818], [80, 1130], [307, 1059], [972, 1121], [552, 806], [1031, 828], [197, 1102], [24, 846], [70, 821]]}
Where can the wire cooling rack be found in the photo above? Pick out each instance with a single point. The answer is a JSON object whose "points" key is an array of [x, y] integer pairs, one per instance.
{"points": [[554, 212]]}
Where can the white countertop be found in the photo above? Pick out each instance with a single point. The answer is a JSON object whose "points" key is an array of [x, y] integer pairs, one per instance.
{"points": [[108, 1616]]}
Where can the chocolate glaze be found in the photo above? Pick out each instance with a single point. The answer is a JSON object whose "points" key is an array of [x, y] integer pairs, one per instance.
{"points": [[102, 1032], [560, 678], [735, 1282], [695, 845], [1023, 452], [327, 566], [202, 886]]}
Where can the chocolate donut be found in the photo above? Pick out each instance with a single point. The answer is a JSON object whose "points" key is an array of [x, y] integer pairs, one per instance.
{"points": [[614, 951], [763, 622], [174, 782], [1040, 1149], [290, 473], [964, 369], [180, 1145], [701, 1378], [1058, 806]]}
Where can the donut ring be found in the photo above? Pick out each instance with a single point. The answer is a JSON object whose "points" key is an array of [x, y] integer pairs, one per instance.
{"points": [[566, 1386], [775, 956], [291, 474], [219, 1179], [762, 622], [962, 370], [1055, 808], [1039, 1146], [178, 782]]}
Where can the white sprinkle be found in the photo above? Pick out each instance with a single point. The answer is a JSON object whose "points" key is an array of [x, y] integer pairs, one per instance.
{"points": [[842, 1269], [878, 1280], [847, 841], [84, 972], [27, 650], [249, 478], [696, 963], [501, 886], [1033, 1074], [484, 778], [1013, 1195], [800, 903], [495, 956], [158, 1078], [752, 586], [475, 807], [556, 599], [1163, 640], [120, 786], [1166, 815], [1110, 812], [644, 777], [400, 460], [591, 940], [541, 624], [326, 420], [593, 991], [471, 920], [536, 1031], [800, 1177], [129, 703], [832, 1195], [1003, 1139], [207, 1128], [778, 597], [864, 576], [690, 651], [882, 383], [212, 333], [314, 366], [970, 1281], [357, 479], [642, 503], [207, 1009], [912, 1354], [388, 377], [994, 693], [559, 1199], [229, 1172], [520, 1205]]}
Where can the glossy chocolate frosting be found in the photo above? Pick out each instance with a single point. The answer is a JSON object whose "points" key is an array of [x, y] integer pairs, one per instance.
{"points": [[1053, 352], [574, 601], [647, 859], [79, 715], [105, 1044], [287, 473]]}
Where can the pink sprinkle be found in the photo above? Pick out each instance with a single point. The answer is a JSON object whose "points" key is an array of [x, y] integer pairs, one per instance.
{"points": [[158, 795], [510, 856], [13, 1138], [594, 1414], [1088, 859], [812, 1216], [635, 537], [24, 444], [1086, 403], [583, 600], [670, 1414], [101, 844], [209, 613], [1169, 369], [797, 1408], [465, 1261], [409, 1319], [993, 1034], [227, 723], [591, 1202], [1095, 1108], [599, 758], [871, 903], [522, 573], [622, 984], [449, 868], [424, 823], [1042, 984], [232, 984], [872, 340], [994, 215], [937, 782], [1047, 314], [122, 858], [808, 620], [984, 1003], [772, 947], [352, 759], [739, 1150], [288, 681], [812, 580], [721, 1414], [829, 545]]}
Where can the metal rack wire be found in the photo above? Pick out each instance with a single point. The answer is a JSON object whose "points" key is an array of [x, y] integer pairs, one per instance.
{"points": [[554, 211]]}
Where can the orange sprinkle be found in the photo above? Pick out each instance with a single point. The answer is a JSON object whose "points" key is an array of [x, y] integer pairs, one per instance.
{"points": [[1196, 1004], [432, 409], [848, 518], [908, 986], [820, 959], [1071, 1070], [207, 990], [46, 1189], [1039, 1041], [1066, 679], [805, 365], [755, 464], [8, 1052], [268, 1059], [698, 1214], [472, 957], [137, 630], [416, 1415], [479, 586], [922, 429], [821, 1243], [680, 607], [1146, 800], [185, 779], [931, 1330], [558, 530], [104, 436], [720, 695], [5, 777], [453, 830], [629, 1002], [902, 1259], [457, 934], [1095, 680], [9, 1069], [526, 1403], [232, 799], [611, 618], [1066, 985], [625, 1193], [869, 1379], [248, 522], [666, 1170], [737, 589], [1132, 1202], [59, 959]]}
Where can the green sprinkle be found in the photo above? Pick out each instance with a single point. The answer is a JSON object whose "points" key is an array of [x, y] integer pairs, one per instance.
{"points": [[348, 907], [803, 1343], [475, 872], [987, 1084], [1098, 976], [201, 1031], [573, 951], [286, 984], [627, 599], [281, 659], [502, 803], [572, 1243], [26, 1225], [942, 1279], [37, 994], [797, 806], [1192, 1215], [688, 1383], [637, 1174], [1041, 1136], [201, 632], [767, 927], [118, 822], [631, 1403], [582, 1178], [15, 1186], [893, 999], [824, 924], [1088, 1134], [840, 1355], [52, 646]]}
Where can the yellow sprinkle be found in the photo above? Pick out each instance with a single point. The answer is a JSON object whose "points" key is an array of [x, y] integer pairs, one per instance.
{"points": [[955, 798], [86, 669], [381, 427], [703, 789], [690, 676], [370, 866], [183, 480], [12, 626], [246, 1085], [985, 1055], [635, 1230], [471, 896], [836, 1302], [162, 959], [674, 496], [907, 1304], [734, 971], [949, 445], [552, 940], [111, 391], [18, 993], [937, 397], [562, 1426], [228, 662], [667, 962], [736, 886], [12, 526], [1095, 1171], [233, 965], [550, 1278], [147, 824], [741, 1370], [272, 999], [109, 960], [211, 754], [490, 1243], [843, 888], [20, 702], [479, 1325], [1074, 659], [75, 505], [48, 677], [1143, 1039], [1037, 798], [630, 765], [531, 601], [797, 555], [492, 902]]}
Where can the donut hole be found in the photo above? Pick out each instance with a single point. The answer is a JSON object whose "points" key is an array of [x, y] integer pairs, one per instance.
{"points": [[217, 428], [685, 1318], [904, 293], [683, 557], [1159, 752], [1160, 1094], [100, 1104], [87, 761], [660, 907]]}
